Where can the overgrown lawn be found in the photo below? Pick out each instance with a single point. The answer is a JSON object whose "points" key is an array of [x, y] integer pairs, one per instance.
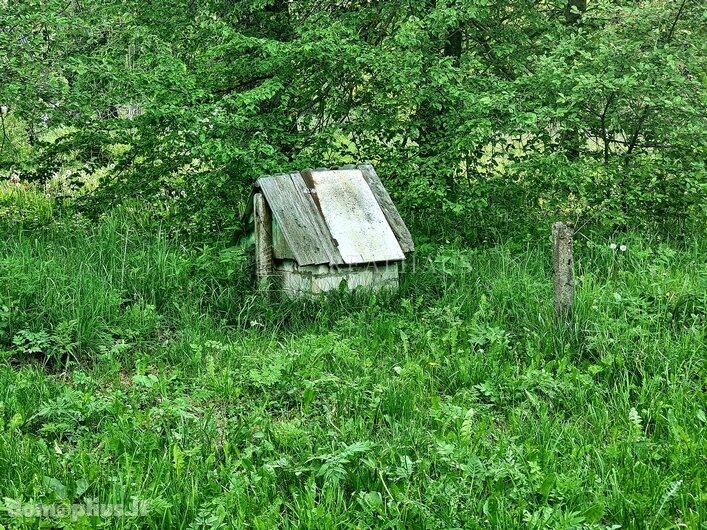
{"points": [[130, 367]]}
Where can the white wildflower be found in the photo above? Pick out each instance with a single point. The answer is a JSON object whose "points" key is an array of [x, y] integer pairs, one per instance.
{"points": [[622, 248], [612, 246]]}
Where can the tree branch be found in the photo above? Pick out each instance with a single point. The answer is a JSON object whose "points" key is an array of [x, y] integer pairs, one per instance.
{"points": [[604, 132], [671, 32], [4, 131]]}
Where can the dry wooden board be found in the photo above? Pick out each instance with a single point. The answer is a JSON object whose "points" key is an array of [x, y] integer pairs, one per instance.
{"points": [[355, 220], [263, 240], [280, 248], [389, 210], [297, 215]]}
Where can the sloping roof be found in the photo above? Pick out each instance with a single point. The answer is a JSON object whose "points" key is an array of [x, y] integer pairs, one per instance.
{"points": [[337, 216]]}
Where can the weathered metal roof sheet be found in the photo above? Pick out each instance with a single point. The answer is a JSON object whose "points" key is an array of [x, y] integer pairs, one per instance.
{"points": [[339, 216], [355, 220]]}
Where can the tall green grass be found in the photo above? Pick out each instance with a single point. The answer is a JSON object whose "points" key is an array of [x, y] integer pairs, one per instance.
{"points": [[132, 367], [120, 281], [22, 205]]}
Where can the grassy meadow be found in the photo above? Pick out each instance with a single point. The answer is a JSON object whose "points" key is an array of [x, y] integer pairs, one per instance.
{"points": [[133, 368]]}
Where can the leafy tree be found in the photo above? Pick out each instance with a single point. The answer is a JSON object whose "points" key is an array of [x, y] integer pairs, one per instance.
{"points": [[508, 114]]}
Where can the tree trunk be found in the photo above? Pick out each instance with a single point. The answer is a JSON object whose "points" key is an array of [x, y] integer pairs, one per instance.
{"points": [[573, 138], [574, 10], [430, 117]]}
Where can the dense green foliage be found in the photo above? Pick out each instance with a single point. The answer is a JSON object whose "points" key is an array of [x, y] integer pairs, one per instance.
{"points": [[454, 404], [137, 361], [507, 113]]}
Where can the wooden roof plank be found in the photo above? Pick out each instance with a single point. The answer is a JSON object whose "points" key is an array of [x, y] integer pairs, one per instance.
{"points": [[389, 210], [298, 217]]}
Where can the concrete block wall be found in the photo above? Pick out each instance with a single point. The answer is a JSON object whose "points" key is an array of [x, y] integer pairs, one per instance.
{"points": [[316, 279]]}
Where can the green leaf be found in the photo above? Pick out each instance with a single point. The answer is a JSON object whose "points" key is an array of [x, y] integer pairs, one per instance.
{"points": [[547, 484], [56, 486], [594, 513], [81, 486]]}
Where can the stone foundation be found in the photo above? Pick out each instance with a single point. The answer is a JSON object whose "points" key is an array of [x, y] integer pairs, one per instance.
{"points": [[315, 279]]}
